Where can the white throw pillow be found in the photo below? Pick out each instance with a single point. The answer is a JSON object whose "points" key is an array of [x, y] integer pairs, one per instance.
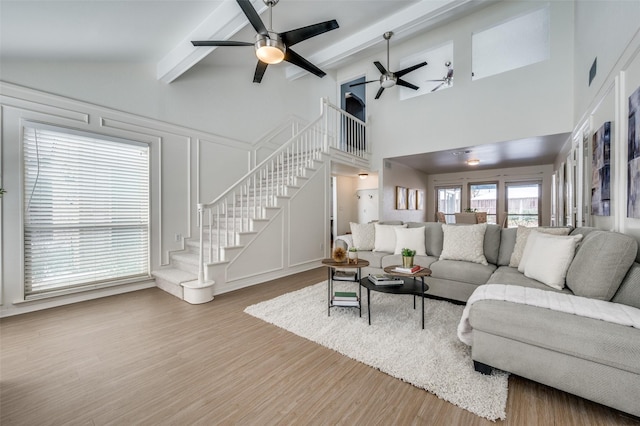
{"points": [[464, 242], [549, 258], [386, 237], [364, 235], [411, 238], [521, 241]]}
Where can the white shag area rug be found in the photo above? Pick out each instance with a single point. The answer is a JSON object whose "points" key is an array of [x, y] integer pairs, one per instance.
{"points": [[432, 359]]}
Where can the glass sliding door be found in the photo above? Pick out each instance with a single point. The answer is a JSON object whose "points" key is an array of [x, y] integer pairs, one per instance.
{"points": [[523, 201], [483, 197], [448, 201]]}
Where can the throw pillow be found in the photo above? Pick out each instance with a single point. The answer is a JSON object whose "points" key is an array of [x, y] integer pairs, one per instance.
{"points": [[521, 241], [549, 258], [363, 235], [464, 242], [385, 239], [411, 238]]}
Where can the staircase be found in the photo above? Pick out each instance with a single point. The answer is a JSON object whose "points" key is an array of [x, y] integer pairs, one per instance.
{"points": [[232, 222]]}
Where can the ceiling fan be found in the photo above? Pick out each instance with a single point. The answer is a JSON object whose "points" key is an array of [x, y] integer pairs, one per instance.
{"points": [[388, 78], [272, 47], [447, 79]]}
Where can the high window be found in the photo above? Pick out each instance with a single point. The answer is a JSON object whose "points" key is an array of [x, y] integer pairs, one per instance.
{"points": [[448, 201], [86, 204], [519, 42], [483, 197], [523, 204]]}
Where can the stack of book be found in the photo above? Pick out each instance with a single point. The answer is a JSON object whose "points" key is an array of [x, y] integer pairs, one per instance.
{"points": [[385, 279], [412, 270], [345, 298], [344, 276]]}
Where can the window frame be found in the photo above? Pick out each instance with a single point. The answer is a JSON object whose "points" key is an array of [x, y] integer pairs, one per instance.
{"points": [[147, 225], [497, 185], [450, 217], [538, 183]]}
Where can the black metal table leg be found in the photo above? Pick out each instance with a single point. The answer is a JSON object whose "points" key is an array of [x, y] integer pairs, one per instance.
{"points": [[422, 302], [369, 304], [329, 290]]}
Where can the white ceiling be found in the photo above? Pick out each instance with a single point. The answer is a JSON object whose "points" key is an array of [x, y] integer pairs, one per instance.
{"points": [[159, 32]]}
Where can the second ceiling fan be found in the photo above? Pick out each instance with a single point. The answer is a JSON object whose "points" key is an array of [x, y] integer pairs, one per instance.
{"points": [[388, 78], [272, 47]]}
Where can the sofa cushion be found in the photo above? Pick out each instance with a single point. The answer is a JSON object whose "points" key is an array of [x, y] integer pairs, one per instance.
{"points": [[410, 238], [374, 258], [468, 272], [507, 244], [511, 276], [595, 340], [364, 235], [601, 263], [521, 240], [547, 258], [629, 291], [386, 237], [433, 236], [491, 245], [464, 242]]}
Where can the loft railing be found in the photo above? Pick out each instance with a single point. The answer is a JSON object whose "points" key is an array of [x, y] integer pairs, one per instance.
{"points": [[222, 221]]}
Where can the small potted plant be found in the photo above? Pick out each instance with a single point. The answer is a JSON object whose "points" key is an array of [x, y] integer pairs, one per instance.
{"points": [[353, 255], [407, 257]]}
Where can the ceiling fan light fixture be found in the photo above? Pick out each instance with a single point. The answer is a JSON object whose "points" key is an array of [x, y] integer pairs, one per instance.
{"points": [[473, 162], [270, 50], [387, 81]]}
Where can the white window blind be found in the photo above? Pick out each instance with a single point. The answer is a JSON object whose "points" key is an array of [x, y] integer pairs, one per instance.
{"points": [[86, 202]]}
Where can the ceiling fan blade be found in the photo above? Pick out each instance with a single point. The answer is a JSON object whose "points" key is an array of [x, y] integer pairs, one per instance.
{"points": [[253, 17], [300, 34], [260, 69], [220, 43], [295, 59], [437, 87], [380, 90], [403, 83], [361, 83], [408, 70], [380, 67]]}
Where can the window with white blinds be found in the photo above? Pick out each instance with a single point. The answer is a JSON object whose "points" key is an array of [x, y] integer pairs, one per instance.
{"points": [[86, 203]]}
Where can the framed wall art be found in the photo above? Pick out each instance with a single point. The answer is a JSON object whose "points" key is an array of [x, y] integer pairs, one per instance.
{"points": [[401, 198], [633, 157], [601, 171]]}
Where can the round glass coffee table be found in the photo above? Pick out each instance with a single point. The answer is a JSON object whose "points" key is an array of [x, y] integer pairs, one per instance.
{"points": [[411, 286]]}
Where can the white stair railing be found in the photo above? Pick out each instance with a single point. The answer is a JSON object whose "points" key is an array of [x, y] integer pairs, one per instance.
{"points": [[222, 220]]}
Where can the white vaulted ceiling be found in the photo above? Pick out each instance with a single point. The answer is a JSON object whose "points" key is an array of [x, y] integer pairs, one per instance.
{"points": [[160, 31]]}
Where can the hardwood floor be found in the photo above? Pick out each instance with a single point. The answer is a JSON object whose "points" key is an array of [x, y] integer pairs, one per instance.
{"points": [[149, 358]]}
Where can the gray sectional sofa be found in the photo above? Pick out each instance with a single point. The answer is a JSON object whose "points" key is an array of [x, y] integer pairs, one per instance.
{"points": [[592, 358]]}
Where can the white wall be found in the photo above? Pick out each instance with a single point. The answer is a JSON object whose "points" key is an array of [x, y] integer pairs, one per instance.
{"points": [[220, 100], [501, 176], [610, 31], [531, 101]]}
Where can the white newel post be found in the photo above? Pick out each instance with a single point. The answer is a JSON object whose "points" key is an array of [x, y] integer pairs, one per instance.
{"points": [[199, 291]]}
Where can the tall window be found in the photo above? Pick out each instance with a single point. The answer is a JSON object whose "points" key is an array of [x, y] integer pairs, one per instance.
{"points": [[523, 203], [86, 203], [448, 201], [483, 197]]}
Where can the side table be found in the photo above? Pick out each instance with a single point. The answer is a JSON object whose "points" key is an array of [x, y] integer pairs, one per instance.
{"points": [[332, 265]]}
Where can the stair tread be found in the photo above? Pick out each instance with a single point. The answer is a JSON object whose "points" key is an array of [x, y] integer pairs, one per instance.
{"points": [[190, 258], [174, 275]]}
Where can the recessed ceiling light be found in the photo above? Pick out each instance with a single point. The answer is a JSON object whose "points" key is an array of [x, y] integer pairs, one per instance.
{"points": [[473, 162], [363, 175]]}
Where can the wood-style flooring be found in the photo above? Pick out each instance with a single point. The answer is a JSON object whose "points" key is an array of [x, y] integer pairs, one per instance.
{"points": [[147, 358]]}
